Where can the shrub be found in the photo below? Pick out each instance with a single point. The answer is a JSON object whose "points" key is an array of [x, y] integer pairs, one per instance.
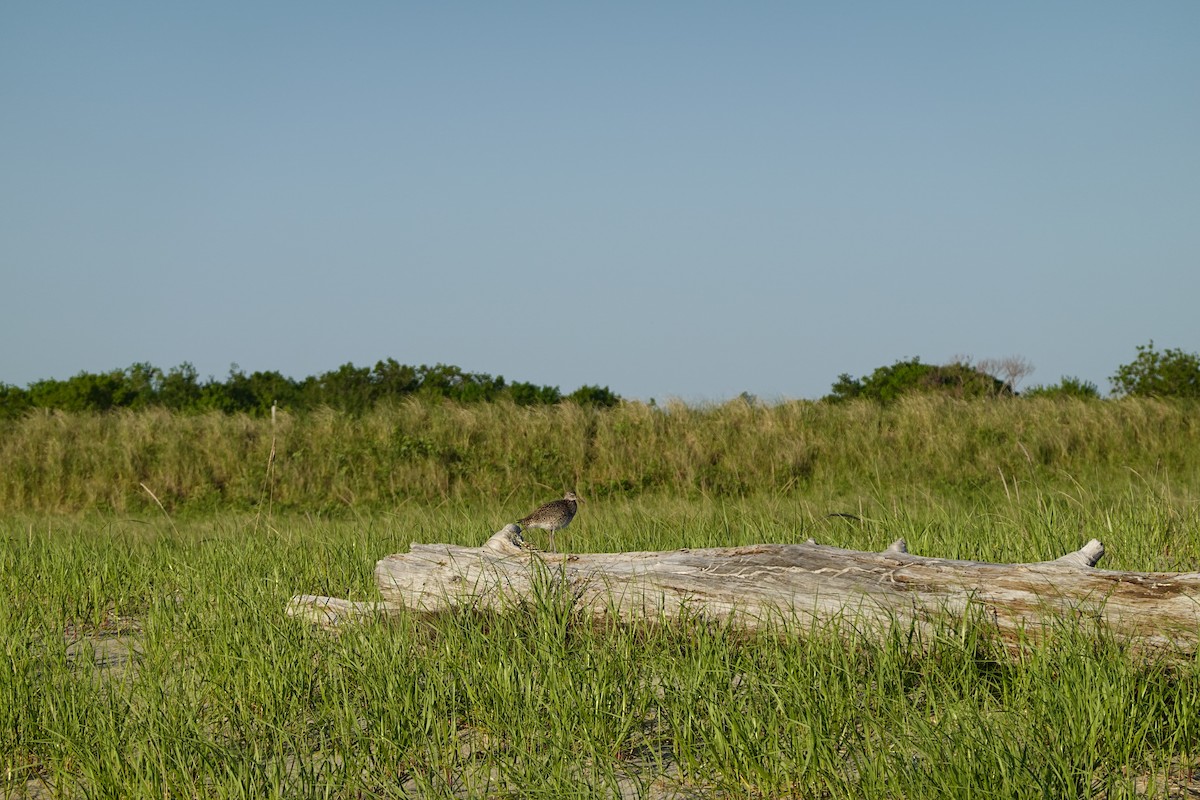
{"points": [[14, 401], [598, 396], [529, 394], [887, 384], [1171, 373], [1067, 387]]}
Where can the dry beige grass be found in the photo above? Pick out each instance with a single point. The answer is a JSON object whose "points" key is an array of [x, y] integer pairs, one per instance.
{"points": [[429, 452]]}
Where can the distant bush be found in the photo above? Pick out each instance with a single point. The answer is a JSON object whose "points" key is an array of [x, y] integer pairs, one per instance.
{"points": [[598, 396], [14, 401], [529, 394], [1067, 387], [887, 384], [1171, 373]]}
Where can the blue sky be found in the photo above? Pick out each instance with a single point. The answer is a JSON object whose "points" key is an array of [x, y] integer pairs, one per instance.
{"points": [[670, 199]]}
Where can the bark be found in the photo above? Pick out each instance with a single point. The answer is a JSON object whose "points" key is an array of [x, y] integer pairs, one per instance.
{"points": [[769, 584]]}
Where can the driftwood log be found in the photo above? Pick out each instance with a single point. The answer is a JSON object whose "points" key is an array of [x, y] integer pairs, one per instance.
{"points": [[759, 585]]}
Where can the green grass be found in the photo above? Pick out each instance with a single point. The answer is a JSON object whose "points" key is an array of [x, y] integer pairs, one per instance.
{"points": [[151, 656]]}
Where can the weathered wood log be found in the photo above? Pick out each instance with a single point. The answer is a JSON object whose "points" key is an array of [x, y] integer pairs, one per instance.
{"points": [[770, 583], [331, 612]]}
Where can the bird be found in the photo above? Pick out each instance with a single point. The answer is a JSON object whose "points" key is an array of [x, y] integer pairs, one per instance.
{"points": [[553, 516]]}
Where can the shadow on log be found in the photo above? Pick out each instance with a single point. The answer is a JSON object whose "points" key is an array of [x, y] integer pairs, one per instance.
{"points": [[768, 584]]}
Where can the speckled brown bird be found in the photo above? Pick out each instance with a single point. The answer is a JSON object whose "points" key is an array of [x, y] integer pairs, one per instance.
{"points": [[553, 516]]}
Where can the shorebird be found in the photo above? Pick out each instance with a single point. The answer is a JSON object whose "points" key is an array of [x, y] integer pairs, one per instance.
{"points": [[553, 516]]}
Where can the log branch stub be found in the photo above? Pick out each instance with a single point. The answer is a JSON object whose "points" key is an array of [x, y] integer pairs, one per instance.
{"points": [[1087, 556]]}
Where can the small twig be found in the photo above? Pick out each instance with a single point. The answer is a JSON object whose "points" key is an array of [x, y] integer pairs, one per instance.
{"points": [[160, 505], [269, 483]]}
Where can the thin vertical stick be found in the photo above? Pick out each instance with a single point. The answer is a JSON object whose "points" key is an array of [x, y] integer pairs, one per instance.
{"points": [[160, 505], [269, 485]]}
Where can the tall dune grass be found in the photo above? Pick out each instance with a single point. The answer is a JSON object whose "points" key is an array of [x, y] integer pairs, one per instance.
{"points": [[422, 451]]}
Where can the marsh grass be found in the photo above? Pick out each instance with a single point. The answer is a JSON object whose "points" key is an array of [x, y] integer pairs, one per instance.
{"points": [[152, 657]]}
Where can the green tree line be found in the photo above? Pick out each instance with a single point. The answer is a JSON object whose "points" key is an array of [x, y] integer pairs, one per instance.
{"points": [[1153, 373], [348, 388]]}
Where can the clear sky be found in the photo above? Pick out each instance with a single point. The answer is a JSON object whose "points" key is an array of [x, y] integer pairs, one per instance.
{"points": [[686, 199]]}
